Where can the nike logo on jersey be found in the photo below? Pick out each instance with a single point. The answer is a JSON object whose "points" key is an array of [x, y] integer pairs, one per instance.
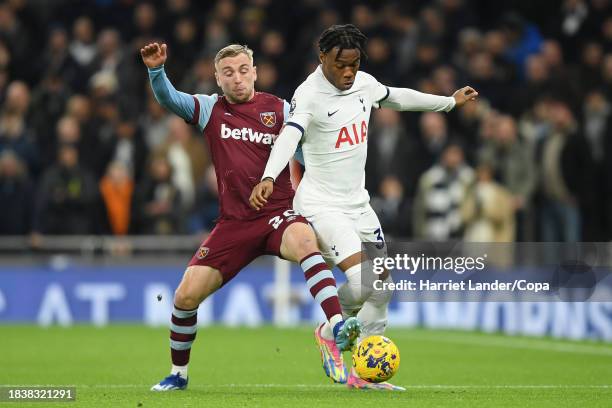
{"points": [[329, 115], [227, 113]]}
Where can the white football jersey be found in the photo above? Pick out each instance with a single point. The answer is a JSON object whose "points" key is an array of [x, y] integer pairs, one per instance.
{"points": [[334, 142]]}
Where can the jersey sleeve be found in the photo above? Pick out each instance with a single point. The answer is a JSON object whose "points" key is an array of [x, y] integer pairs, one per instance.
{"points": [[405, 99], [299, 156], [204, 107], [194, 109], [300, 110]]}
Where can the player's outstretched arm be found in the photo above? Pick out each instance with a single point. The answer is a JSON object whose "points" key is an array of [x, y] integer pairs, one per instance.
{"points": [[283, 150], [405, 99], [154, 57]]}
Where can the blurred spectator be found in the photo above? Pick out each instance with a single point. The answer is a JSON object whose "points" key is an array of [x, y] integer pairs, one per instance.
{"points": [[83, 47], [589, 74], [48, 105], [15, 133], [483, 76], [388, 147], [488, 210], [116, 189], [596, 118], [16, 196], [390, 207], [65, 198], [58, 60], [157, 201], [201, 78], [569, 25], [379, 60], [126, 145], [510, 163], [565, 178], [427, 150], [144, 25], [216, 35], [441, 193], [187, 157], [470, 43], [537, 83], [17, 38], [155, 124], [184, 47], [117, 63], [523, 39]]}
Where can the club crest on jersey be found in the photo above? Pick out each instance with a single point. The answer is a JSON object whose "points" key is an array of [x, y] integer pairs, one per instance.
{"points": [[268, 118], [202, 252]]}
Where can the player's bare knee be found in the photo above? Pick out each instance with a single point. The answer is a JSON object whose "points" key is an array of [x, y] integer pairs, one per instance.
{"points": [[185, 300], [300, 241], [197, 284]]}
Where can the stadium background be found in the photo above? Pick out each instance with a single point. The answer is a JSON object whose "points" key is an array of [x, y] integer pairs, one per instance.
{"points": [[104, 196]]}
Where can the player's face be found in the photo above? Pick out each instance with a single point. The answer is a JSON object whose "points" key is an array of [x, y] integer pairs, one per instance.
{"points": [[236, 77], [340, 69]]}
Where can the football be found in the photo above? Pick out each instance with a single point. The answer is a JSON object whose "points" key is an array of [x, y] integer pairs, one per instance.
{"points": [[376, 359]]}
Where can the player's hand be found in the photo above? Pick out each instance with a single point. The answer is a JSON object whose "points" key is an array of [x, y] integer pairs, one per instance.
{"points": [[260, 194], [465, 94], [154, 55]]}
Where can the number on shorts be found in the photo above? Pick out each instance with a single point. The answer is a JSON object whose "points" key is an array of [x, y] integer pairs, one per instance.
{"points": [[379, 238], [276, 221]]}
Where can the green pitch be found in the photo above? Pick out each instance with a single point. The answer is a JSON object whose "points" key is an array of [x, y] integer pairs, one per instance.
{"points": [[116, 366]]}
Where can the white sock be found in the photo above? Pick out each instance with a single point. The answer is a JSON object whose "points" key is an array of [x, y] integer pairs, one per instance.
{"points": [[373, 313], [182, 370]]}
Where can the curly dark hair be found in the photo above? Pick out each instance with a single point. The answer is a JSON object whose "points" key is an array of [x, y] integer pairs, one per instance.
{"points": [[345, 36]]}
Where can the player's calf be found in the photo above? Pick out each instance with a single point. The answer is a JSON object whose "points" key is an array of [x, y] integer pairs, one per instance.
{"points": [[299, 244], [197, 284]]}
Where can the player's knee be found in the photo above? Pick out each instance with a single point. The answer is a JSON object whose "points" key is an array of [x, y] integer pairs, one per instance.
{"points": [[382, 296], [301, 240], [185, 299]]}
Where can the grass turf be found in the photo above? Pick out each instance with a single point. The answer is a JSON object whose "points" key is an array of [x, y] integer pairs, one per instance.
{"points": [[115, 366]]}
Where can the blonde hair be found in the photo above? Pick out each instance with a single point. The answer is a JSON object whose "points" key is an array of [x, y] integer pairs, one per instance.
{"points": [[233, 50]]}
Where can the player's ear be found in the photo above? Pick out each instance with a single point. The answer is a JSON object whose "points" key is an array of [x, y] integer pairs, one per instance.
{"points": [[321, 57], [217, 79], [254, 73]]}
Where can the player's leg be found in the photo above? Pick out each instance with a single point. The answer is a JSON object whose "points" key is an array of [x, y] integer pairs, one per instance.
{"points": [[298, 243], [197, 284], [340, 240], [375, 303], [335, 229], [224, 253], [373, 313]]}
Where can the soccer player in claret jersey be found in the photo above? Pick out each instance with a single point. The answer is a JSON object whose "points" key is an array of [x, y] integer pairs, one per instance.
{"points": [[240, 127], [329, 115]]}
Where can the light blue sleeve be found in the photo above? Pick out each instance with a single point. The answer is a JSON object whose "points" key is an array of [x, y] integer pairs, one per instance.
{"points": [[299, 156], [194, 109]]}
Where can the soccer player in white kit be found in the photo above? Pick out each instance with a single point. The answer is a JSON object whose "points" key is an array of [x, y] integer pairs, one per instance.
{"points": [[329, 115]]}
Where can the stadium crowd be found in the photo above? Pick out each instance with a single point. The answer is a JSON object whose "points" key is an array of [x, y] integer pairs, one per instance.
{"points": [[86, 149]]}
